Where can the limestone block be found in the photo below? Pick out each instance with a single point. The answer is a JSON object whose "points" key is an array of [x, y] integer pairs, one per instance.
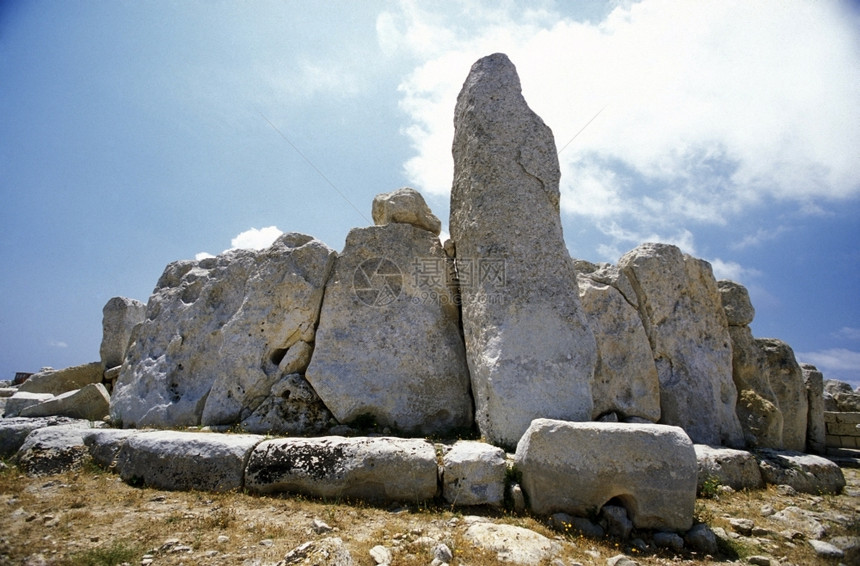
{"points": [[736, 303], [512, 544], [185, 460], [579, 467], [786, 378], [13, 431], [625, 379], [91, 402], [388, 343], [839, 396], [531, 353], [684, 319], [53, 449], [375, 469], [474, 474], [292, 407], [216, 331], [21, 400], [104, 444], [804, 472], [757, 405], [62, 380], [815, 428], [119, 317], [737, 469], [405, 206]]}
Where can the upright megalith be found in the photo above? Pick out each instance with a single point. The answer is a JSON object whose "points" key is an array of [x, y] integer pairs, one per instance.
{"points": [[684, 319], [388, 346], [531, 353], [119, 317], [221, 333]]}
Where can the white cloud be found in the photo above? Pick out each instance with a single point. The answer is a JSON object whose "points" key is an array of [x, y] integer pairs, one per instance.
{"points": [[252, 239], [833, 359], [713, 107], [58, 344], [732, 270], [847, 333]]}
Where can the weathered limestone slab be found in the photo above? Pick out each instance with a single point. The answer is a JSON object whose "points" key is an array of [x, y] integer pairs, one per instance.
{"points": [[405, 206], [737, 469], [625, 380], [804, 472], [53, 449], [786, 378], [474, 474], [21, 400], [388, 343], [816, 431], [13, 431], [185, 460], [840, 397], [293, 407], [683, 316], [119, 317], [91, 402], [104, 444], [62, 380], [517, 280], [373, 469], [757, 406], [512, 544], [736, 303], [216, 332], [579, 467]]}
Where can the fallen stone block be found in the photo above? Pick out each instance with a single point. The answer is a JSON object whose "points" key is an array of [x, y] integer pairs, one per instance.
{"points": [[737, 469], [104, 444], [21, 400], [14, 431], [185, 460], [512, 544], [62, 380], [91, 402], [373, 469], [577, 468], [53, 449], [474, 474], [804, 472]]}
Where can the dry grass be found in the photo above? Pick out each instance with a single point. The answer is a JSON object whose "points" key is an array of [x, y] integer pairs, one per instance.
{"points": [[92, 518]]}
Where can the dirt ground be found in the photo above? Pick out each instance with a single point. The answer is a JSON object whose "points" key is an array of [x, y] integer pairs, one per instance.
{"points": [[91, 517]]}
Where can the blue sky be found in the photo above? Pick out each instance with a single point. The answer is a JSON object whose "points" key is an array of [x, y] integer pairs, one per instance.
{"points": [[133, 134]]}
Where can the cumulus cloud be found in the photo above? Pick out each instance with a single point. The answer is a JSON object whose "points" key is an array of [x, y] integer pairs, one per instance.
{"points": [[252, 239], [847, 333], [58, 344], [732, 270], [709, 108], [840, 362]]}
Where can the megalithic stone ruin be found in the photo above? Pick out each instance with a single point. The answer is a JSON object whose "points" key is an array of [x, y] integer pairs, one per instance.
{"points": [[530, 351]]}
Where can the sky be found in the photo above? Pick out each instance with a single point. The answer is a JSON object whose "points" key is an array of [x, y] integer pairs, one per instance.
{"points": [[134, 134]]}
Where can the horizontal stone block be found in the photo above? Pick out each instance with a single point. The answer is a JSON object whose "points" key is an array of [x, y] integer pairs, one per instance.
{"points": [[373, 469], [843, 429], [853, 418]]}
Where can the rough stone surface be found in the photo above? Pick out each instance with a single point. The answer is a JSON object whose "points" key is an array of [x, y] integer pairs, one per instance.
{"points": [[701, 539], [91, 402], [625, 379], [405, 206], [826, 550], [119, 317], [801, 520], [104, 444], [474, 474], [62, 380], [388, 343], [840, 397], [816, 431], [53, 449], [512, 544], [735, 468], [373, 469], [185, 460], [21, 400], [13, 431], [736, 303], [329, 552], [518, 282], [684, 319], [292, 407], [216, 331], [650, 469], [803, 472], [786, 378], [757, 406]]}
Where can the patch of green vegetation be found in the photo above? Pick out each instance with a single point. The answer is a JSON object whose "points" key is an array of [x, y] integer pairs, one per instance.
{"points": [[710, 488], [733, 549], [111, 554]]}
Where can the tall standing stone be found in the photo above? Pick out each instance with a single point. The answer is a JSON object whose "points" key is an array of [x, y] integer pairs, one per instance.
{"points": [[683, 316], [530, 351], [119, 317], [815, 427], [786, 378]]}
